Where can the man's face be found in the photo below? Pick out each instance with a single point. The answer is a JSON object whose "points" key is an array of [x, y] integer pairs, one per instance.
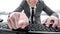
{"points": [[32, 3]]}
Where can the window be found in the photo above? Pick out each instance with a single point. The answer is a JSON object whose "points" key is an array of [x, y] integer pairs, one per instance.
{"points": [[9, 5]]}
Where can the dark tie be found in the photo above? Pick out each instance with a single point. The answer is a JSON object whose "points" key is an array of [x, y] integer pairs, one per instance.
{"points": [[32, 15]]}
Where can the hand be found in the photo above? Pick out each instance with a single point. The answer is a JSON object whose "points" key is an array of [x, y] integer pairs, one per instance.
{"points": [[23, 21], [47, 21], [17, 20], [58, 23]]}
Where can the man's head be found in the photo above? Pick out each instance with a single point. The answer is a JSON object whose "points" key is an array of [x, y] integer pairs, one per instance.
{"points": [[32, 3]]}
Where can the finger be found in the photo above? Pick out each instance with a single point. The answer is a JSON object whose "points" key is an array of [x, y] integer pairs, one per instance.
{"points": [[48, 22], [12, 19], [13, 22], [44, 21], [25, 20], [25, 24], [9, 23], [58, 23], [22, 25], [55, 23], [16, 17]]}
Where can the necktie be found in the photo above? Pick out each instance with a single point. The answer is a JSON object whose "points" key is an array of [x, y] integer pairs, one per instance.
{"points": [[32, 15]]}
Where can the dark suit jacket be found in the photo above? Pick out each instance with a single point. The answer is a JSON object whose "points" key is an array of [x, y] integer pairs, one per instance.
{"points": [[39, 7]]}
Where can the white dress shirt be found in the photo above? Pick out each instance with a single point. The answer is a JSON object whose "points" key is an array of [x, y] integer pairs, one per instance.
{"points": [[31, 13]]}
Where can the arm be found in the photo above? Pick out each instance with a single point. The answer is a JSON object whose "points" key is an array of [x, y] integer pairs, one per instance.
{"points": [[53, 16], [21, 7], [49, 11]]}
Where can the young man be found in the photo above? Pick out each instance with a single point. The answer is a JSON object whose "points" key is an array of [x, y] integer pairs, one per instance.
{"points": [[30, 6]]}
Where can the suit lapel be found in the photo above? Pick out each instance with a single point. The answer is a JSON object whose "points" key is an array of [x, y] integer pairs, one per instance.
{"points": [[28, 9]]}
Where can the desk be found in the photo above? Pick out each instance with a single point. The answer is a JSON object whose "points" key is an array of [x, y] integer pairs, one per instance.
{"points": [[8, 31]]}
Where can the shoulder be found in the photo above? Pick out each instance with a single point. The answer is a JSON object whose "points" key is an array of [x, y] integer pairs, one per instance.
{"points": [[23, 1], [41, 1]]}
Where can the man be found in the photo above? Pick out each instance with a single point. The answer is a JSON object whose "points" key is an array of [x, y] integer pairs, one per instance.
{"points": [[37, 6]]}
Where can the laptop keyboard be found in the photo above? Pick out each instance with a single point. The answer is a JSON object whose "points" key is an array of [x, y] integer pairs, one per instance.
{"points": [[42, 28]]}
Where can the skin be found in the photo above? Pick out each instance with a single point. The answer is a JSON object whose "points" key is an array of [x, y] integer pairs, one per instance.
{"points": [[17, 20], [32, 3]]}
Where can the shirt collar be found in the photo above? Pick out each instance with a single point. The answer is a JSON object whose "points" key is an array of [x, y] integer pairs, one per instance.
{"points": [[34, 7]]}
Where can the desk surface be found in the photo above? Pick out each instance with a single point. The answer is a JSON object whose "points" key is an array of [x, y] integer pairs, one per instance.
{"points": [[8, 31]]}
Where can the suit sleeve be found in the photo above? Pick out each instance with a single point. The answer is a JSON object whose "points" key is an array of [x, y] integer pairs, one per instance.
{"points": [[20, 7], [47, 10]]}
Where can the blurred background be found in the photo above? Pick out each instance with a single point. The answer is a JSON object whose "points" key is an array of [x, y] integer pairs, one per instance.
{"points": [[8, 6]]}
